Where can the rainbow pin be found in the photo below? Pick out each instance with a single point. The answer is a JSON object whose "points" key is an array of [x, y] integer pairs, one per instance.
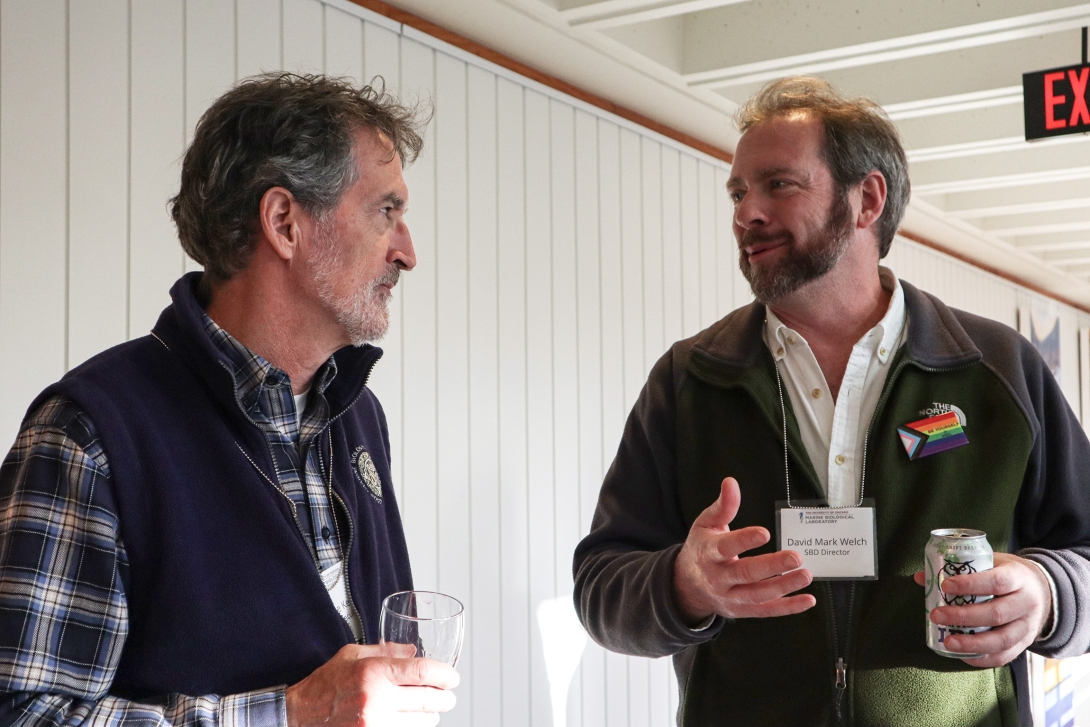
{"points": [[932, 435]]}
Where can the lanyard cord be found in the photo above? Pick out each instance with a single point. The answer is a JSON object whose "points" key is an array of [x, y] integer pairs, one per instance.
{"points": [[786, 467]]}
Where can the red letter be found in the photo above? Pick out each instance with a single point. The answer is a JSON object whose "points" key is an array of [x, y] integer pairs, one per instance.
{"points": [[1079, 113], [1052, 101]]}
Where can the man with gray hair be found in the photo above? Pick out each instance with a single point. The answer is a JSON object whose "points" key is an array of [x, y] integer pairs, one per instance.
{"points": [[815, 395], [198, 527]]}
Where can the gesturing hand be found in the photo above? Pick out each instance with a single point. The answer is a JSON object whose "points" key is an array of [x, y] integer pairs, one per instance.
{"points": [[1017, 614], [373, 686], [709, 577]]}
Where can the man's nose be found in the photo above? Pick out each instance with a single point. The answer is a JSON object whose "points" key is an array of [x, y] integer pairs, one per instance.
{"points": [[401, 251], [749, 212]]}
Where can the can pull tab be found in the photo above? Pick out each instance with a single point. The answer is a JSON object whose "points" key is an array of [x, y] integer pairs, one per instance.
{"points": [[841, 674]]}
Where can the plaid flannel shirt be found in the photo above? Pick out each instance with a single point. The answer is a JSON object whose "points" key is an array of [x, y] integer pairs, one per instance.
{"points": [[63, 567]]}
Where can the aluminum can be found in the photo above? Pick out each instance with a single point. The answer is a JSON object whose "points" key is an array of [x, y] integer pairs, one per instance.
{"points": [[953, 552]]}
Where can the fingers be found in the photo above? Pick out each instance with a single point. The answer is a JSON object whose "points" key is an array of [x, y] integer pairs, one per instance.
{"points": [[996, 612], [920, 577], [757, 568], [731, 544], [397, 651], [720, 513], [998, 581], [1000, 645], [422, 699], [779, 607], [421, 672]]}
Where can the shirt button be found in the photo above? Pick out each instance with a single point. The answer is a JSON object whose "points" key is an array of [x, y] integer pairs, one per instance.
{"points": [[325, 533], [881, 352], [791, 339], [816, 393], [779, 351], [839, 459]]}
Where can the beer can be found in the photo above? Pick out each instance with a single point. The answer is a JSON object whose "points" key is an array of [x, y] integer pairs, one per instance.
{"points": [[953, 552]]}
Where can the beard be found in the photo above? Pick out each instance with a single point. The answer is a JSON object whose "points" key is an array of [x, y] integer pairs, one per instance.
{"points": [[800, 265], [363, 313]]}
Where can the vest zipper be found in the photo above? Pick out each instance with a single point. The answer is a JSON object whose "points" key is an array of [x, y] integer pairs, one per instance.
{"points": [[346, 552]]}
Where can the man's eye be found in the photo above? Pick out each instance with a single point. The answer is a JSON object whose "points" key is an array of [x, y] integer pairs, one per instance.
{"points": [[736, 197]]}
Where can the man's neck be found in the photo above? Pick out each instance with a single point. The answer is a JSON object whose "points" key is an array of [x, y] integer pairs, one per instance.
{"points": [[272, 325], [832, 322]]}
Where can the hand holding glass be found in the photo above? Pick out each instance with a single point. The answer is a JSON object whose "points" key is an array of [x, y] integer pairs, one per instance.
{"points": [[432, 622]]}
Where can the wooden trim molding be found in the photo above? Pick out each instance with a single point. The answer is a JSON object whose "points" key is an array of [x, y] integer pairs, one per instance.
{"points": [[459, 41], [994, 271], [488, 54]]}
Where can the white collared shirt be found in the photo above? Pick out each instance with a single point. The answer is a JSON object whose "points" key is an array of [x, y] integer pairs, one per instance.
{"points": [[834, 432]]}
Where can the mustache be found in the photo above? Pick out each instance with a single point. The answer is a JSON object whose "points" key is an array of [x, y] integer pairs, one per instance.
{"points": [[757, 237], [390, 277]]}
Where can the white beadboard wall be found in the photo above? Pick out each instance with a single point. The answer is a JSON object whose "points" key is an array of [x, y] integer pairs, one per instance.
{"points": [[561, 250]]}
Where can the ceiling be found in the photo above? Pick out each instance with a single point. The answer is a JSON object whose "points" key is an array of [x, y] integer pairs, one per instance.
{"points": [[948, 72]]}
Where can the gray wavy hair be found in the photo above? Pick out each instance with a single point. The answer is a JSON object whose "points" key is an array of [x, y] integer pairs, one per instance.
{"points": [[859, 139], [278, 130]]}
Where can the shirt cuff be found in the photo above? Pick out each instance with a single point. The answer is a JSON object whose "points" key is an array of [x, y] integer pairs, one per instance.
{"points": [[263, 708], [705, 624], [1050, 625]]}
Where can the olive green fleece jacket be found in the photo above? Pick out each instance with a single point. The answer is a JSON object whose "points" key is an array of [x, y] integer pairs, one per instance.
{"points": [[710, 409]]}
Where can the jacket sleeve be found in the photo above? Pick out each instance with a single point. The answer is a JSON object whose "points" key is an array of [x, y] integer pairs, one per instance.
{"points": [[624, 568], [1051, 523]]}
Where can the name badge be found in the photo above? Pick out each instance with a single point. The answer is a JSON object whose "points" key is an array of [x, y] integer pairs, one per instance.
{"points": [[836, 543]]}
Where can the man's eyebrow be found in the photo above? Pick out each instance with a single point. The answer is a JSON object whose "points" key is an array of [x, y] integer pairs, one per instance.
{"points": [[761, 174], [394, 200]]}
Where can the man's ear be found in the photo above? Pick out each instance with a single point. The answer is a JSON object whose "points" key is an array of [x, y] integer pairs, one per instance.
{"points": [[872, 199], [279, 214]]}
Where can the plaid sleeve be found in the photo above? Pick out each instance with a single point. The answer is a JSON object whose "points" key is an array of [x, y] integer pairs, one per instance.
{"points": [[63, 613]]}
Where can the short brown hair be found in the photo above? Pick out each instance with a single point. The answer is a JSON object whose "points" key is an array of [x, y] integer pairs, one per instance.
{"points": [[859, 139], [278, 130]]}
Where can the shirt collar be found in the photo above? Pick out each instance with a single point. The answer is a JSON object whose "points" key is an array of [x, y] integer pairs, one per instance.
{"points": [[779, 337], [252, 373]]}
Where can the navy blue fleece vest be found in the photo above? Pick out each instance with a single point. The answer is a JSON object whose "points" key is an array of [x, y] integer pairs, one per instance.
{"points": [[223, 593]]}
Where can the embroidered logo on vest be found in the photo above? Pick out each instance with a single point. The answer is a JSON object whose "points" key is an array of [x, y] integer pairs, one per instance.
{"points": [[365, 470]]}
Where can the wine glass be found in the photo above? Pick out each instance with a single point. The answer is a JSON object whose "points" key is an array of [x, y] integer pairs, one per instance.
{"points": [[432, 622]]}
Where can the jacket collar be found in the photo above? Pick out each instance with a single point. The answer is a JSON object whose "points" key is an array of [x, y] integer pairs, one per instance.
{"points": [[936, 339], [181, 329]]}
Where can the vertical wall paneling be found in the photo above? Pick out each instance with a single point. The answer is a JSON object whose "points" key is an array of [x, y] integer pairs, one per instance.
{"points": [[211, 55], [98, 177], [565, 371], [709, 252], [420, 364], [380, 55], [614, 408], [654, 330], [260, 38], [452, 296], [560, 251], [632, 243], [725, 245], [157, 123], [343, 44], [302, 36], [34, 195], [539, 398], [672, 293], [588, 275], [690, 246], [211, 61], [516, 616], [484, 479]]}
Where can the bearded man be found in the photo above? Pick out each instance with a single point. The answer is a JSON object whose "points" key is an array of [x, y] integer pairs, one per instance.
{"points": [[808, 397], [198, 527]]}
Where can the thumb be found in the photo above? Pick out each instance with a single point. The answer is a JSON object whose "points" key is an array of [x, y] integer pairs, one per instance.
{"points": [[719, 514]]}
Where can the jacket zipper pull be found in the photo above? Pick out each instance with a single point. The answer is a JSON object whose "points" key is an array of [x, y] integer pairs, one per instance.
{"points": [[841, 674]]}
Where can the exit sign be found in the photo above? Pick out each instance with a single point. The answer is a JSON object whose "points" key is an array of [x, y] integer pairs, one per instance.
{"points": [[1055, 101]]}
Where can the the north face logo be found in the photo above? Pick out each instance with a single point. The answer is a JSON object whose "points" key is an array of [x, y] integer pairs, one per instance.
{"points": [[364, 468]]}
